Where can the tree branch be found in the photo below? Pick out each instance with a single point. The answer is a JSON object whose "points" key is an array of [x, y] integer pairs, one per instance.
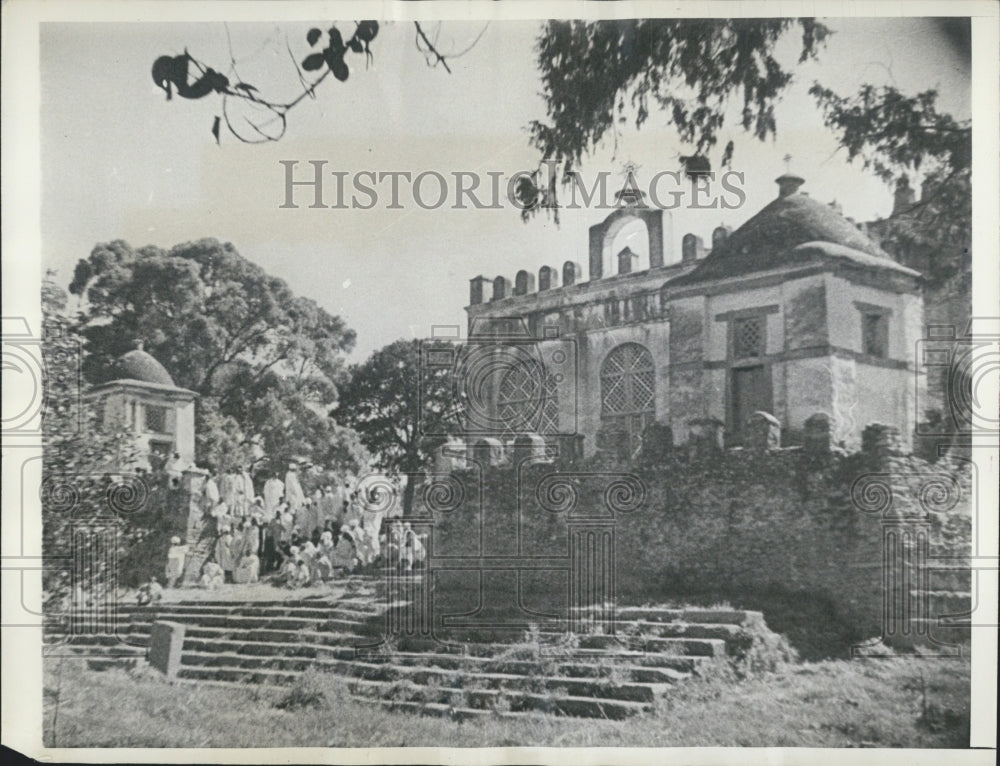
{"points": [[439, 58]]}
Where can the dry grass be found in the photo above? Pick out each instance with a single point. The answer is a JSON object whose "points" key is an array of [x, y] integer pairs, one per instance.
{"points": [[891, 702]]}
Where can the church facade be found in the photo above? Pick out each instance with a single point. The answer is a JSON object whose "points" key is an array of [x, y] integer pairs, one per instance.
{"points": [[795, 313]]}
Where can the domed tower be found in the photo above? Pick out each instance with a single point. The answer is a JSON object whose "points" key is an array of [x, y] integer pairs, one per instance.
{"points": [[141, 396], [796, 312]]}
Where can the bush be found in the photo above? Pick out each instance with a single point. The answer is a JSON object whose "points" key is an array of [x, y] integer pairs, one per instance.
{"points": [[312, 689]]}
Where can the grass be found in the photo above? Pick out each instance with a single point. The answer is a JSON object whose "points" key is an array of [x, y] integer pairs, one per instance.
{"points": [[885, 702]]}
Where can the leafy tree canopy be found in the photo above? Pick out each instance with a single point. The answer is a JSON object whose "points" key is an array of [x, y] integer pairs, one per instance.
{"points": [[596, 75], [399, 408], [265, 361], [77, 487]]}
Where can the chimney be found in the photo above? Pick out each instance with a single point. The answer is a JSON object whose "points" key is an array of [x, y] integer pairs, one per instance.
{"points": [[476, 289], [788, 183], [904, 196]]}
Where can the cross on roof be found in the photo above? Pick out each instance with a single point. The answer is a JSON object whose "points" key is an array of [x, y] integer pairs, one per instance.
{"points": [[788, 162], [629, 168]]}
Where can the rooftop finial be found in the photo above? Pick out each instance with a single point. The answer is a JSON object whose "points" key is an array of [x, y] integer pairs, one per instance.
{"points": [[788, 182], [630, 194], [137, 344], [629, 168]]}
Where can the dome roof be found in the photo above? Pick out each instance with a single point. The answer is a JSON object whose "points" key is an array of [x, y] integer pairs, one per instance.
{"points": [[139, 365], [792, 220], [767, 239]]}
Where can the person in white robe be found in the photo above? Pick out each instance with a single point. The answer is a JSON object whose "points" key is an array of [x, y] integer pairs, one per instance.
{"points": [[294, 495], [176, 556], [274, 490], [209, 495], [248, 492], [231, 491]]}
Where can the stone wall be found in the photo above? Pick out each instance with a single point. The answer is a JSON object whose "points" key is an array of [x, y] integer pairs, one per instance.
{"points": [[813, 524]]}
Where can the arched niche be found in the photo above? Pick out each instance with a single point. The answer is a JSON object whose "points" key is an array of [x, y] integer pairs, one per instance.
{"points": [[603, 237]]}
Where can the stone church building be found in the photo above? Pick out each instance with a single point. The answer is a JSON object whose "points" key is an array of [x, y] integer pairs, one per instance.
{"points": [[141, 397], [796, 312]]}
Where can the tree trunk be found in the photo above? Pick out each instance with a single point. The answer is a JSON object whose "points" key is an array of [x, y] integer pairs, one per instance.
{"points": [[408, 491]]}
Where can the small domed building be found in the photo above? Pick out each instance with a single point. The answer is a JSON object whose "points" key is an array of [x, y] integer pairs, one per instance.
{"points": [[796, 312], [141, 396]]}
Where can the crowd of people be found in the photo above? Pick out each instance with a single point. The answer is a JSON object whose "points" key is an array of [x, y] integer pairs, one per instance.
{"points": [[288, 537]]}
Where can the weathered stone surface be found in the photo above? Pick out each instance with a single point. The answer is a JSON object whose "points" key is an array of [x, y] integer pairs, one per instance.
{"points": [[880, 441], [548, 278], [706, 436], [572, 272], [818, 433], [501, 288], [166, 643], [524, 282], [528, 447], [657, 443], [685, 336], [805, 318], [487, 451], [763, 432]]}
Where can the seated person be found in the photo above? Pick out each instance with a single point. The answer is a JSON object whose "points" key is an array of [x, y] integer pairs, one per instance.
{"points": [[303, 574], [149, 593], [248, 570], [212, 576]]}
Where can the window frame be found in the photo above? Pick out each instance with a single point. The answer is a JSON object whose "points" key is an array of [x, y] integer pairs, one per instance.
{"points": [[883, 314]]}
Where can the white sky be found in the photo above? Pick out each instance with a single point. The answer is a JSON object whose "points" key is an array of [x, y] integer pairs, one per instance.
{"points": [[119, 161]]}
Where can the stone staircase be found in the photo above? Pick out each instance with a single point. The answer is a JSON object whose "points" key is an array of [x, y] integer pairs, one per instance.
{"points": [[590, 675]]}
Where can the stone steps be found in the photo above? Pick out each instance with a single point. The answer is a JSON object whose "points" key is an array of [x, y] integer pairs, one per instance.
{"points": [[720, 616], [590, 674], [232, 610], [620, 688], [236, 622], [444, 702], [553, 703], [699, 647]]}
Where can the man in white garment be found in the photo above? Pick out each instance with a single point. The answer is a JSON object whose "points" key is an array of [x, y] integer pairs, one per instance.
{"points": [[209, 495], [231, 491], [248, 493], [294, 495], [274, 490]]}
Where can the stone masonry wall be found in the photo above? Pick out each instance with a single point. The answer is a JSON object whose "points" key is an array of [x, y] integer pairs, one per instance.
{"points": [[820, 526]]}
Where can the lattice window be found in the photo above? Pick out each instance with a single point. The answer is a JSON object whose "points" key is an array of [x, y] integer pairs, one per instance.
{"points": [[628, 391], [526, 404], [156, 419], [748, 337], [550, 407]]}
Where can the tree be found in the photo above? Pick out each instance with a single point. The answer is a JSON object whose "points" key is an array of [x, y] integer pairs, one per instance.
{"points": [[598, 75], [895, 136], [268, 119], [399, 408], [260, 357], [80, 456]]}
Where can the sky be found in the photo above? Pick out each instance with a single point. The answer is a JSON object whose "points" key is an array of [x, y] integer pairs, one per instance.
{"points": [[119, 161]]}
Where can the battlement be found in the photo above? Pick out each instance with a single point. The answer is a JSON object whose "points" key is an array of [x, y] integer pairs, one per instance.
{"points": [[552, 279]]}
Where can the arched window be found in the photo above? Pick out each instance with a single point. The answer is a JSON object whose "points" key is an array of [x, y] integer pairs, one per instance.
{"points": [[628, 393], [527, 402]]}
